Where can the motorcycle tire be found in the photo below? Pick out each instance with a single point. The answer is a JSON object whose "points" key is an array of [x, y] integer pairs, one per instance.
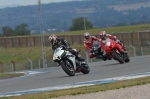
{"points": [[85, 69], [127, 59], [68, 69], [117, 57]]}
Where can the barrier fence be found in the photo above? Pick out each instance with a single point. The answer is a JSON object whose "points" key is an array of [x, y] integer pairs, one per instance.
{"points": [[139, 39]]}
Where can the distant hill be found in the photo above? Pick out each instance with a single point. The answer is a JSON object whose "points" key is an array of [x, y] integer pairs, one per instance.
{"points": [[6, 6], [59, 16]]}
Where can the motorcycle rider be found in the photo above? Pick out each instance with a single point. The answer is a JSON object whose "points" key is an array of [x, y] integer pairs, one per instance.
{"points": [[103, 36], [89, 42], [56, 42]]}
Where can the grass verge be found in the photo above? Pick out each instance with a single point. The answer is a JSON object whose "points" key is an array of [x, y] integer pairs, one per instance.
{"points": [[85, 90], [19, 55], [110, 30], [10, 75]]}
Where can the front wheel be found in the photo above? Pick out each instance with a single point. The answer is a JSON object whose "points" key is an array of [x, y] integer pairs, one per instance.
{"points": [[126, 58], [117, 57], [68, 68]]}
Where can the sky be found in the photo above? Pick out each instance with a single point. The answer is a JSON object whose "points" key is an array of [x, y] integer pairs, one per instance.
{"points": [[28, 2]]}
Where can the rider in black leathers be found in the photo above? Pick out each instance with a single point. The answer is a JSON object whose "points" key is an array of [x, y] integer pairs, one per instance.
{"points": [[56, 42]]}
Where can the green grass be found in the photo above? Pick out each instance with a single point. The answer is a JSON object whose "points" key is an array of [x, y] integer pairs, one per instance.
{"points": [[85, 90], [19, 55], [117, 29], [10, 75]]}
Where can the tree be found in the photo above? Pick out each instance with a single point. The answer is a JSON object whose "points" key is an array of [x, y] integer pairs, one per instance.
{"points": [[81, 24], [22, 29], [7, 31], [19, 30]]}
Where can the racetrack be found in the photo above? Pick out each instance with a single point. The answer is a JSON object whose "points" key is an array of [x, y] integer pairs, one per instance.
{"points": [[54, 76]]}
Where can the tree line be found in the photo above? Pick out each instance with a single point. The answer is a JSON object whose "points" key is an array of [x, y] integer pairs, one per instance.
{"points": [[19, 30], [80, 23]]}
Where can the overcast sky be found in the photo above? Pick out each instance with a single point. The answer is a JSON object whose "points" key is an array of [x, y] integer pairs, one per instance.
{"points": [[28, 2]]}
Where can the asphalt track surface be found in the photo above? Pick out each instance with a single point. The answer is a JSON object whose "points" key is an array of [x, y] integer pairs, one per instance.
{"points": [[54, 76]]}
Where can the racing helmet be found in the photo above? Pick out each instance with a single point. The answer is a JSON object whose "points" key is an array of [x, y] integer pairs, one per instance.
{"points": [[52, 38], [87, 35], [102, 35]]}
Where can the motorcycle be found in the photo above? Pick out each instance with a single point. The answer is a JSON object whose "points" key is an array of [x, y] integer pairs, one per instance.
{"points": [[98, 52], [69, 63], [111, 47]]}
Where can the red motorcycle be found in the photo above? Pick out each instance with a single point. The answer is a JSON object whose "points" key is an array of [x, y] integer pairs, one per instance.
{"points": [[115, 50]]}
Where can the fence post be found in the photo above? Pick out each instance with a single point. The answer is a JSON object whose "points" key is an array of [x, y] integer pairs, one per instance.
{"points": [[142, 51], [13, 66], [133, 50], [44, 62], [39, 64], [87, 58], [30, 63], [2, 67]]}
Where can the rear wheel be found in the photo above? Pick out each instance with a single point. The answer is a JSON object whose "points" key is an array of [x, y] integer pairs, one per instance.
{"points": [[118, 57], [85, 69], [68, 68]]}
